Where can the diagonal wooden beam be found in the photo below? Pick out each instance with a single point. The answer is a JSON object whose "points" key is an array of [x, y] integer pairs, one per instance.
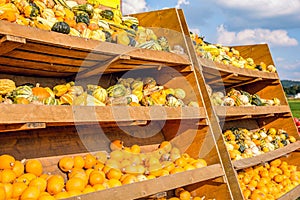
{"points": [[248, 82], [222, 78]]}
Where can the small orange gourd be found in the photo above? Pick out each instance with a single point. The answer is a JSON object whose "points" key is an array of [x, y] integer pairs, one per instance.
{"points": [[40, 92]]}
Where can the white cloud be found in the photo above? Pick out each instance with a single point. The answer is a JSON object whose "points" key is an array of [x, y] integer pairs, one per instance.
{"points": [[133, 6], [263, 8], [182, 2], [288, 69], [196, 31], [279, 59], [290, 65], [290, 76], [255, 36]]}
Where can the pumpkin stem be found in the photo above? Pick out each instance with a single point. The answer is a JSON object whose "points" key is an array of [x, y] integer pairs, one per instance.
{"points": [[37, 85]]}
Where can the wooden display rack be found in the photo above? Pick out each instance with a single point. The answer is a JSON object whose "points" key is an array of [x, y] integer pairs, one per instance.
{"points": [[48, 132], [267, 85]]}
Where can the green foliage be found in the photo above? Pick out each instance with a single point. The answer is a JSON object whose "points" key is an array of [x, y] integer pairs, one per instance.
{"points": [[289, 83], [291, 88], [295, 107]]}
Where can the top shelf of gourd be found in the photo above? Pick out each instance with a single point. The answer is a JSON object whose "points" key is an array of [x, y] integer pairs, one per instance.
{"points": [[219, 74], [31, 51], [234, 66]]}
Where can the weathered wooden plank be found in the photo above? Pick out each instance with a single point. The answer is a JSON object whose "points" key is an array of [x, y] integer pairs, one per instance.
{"points": [[139, 59], [31, 64], [223, 78], [65, 51], [210, 189], [17, 113], [21, 127], [228, 111], [265, 157], [153, 186], [52, 59], [258, 52], [167, 23], [209, 64], [173, 23], [8, 43], [285, 122], [64, 140], [248, 82], [162, 56], [268, 89], [8, 69], [61, 40], [293, 194], [33, 57], [43, 81], [232, 188]]}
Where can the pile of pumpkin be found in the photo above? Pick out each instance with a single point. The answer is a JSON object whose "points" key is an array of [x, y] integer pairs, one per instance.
{"points": [[226, 55], [268, 181], [129, 91], [241, 98], [83, 19], [88, 173], [243, 143]]}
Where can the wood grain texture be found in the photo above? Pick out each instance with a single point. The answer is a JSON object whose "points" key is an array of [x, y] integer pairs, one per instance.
{"points": [[53, 52], [210, 189], [8, 43], [230, 111], [258, 52], [153, 186], [211, 66], [63, 140], [167, 23], [18, 113], [286, 123], [232, 185], [263, 158]]}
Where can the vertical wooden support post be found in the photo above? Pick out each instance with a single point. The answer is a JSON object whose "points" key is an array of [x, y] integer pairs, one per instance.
{"points": [[231, 175]]}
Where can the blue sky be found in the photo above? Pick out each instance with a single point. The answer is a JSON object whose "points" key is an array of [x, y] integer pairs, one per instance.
{"points": [[235, 22]]}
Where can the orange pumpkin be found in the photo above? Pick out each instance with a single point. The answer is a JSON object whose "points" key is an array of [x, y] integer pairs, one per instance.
{"points": [[93, 26], [80, 26], [9, 16], [70, 22], [22, 100], [40, 92]]}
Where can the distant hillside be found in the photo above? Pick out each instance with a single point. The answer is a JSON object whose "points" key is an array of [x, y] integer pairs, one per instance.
{"points": [[289, 83], [291, 88]]}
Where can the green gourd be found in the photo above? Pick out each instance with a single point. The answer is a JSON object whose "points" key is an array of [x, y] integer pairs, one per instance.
{"points": [[61, 27], [107, 14], [82, 16]]}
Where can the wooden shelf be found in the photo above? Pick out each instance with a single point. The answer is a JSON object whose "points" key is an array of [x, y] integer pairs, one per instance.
{"points": [[153, 186], [293, 194], [35, 52], [228, 113], [262, 158], [221, 75], [20, 117]]}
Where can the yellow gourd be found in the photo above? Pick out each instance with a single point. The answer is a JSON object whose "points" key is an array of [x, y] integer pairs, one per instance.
{"points": [[6, 86]]}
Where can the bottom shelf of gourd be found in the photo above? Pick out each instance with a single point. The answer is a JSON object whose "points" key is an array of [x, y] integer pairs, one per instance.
{"points": [[254, 145], [109, 175], [277, 179]]}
